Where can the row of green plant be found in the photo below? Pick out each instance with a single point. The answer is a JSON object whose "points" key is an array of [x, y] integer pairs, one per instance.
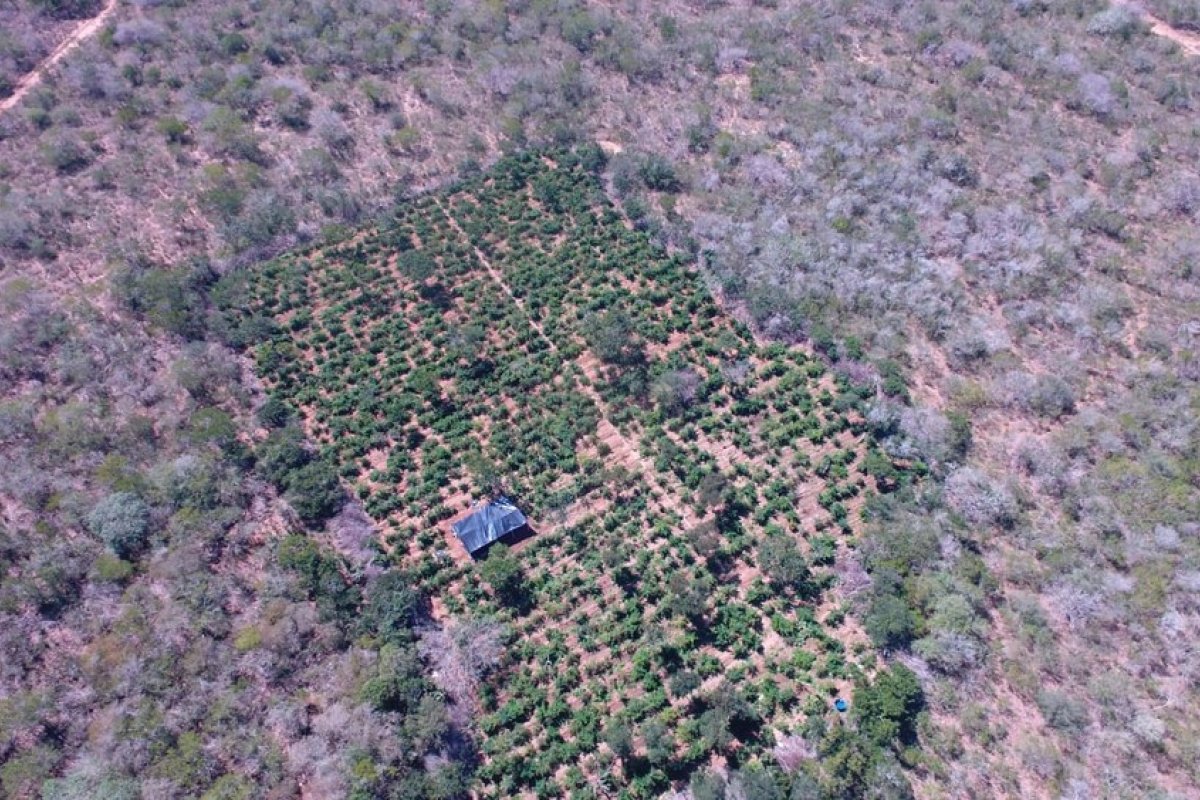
{"points": [[422, 380]]}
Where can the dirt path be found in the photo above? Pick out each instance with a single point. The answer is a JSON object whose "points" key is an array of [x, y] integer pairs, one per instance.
{"points": [[1188, 42], [497, 277], [77, 37], [626, 451]]}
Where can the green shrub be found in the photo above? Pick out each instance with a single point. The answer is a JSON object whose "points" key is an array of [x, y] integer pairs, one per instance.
{"points": [[321, 578], [780, 559], [886, 711], [169, 298], [658, 174], [889, 621], [67, 154], [1063, 712], [502, 571], [315, 492], [67, 9], [122, 521], [24, 771], [391, 607], [85, 785], [111, 569]]}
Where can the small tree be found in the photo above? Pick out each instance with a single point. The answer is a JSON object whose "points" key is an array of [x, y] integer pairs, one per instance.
{"points": [[714, 490], [780, 558], [281, 454], [67, 9], [174, 130], [1050, 396], [705, 538], [805, 787], [889, 621], [676, 390], [274, 413], [503, 573], [67, 154], [619, 739], [611, 335], [416, 265], [122, 522], [211, 425], [1063, 712], [688, 596], [707, 785], [754, 782], [168, 298], [320, 575], [314, 492], [886, 711], [398, 685], [391, 607], [660, 745], [684, 683], [461, 653], [658, 174]]}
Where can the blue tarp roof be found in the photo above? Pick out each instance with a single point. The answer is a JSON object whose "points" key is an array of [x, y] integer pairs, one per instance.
{"points": [[492, 521]]}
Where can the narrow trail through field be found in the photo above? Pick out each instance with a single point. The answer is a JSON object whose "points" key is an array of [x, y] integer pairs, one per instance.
{"points": [[624, 450], [496, 276], [76, 37], [1187, 41]]}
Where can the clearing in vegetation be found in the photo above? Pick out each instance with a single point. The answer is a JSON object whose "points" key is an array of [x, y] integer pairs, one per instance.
{"points": [[692, 490]]}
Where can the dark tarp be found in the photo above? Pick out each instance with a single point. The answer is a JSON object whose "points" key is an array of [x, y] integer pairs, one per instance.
{"points": [[492, 521]]}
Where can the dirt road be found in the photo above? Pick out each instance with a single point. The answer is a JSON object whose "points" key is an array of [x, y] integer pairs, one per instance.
{"points": [[1188, 42], [80, 34]]}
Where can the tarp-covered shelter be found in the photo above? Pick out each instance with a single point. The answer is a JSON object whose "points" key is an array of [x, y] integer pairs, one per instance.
{"points": [[490, 522]]}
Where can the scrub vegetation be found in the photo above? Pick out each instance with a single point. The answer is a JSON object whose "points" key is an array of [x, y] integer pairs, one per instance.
{"points": [[883, 313]]}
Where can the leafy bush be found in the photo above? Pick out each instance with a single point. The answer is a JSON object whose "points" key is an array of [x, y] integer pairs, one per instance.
{"points": [[122, 521], [1118, 21], [320, 576], [889, 621], [780, 559], [979, 498], [274, 413], [1095, 94], [315, 492], [282, 453], [399, 684], [391, 608], [83, 785], [706, 785], [1063, 712], [1051, 397], [886, 710], [611, 335], [417, 265], [619, 739], [684, 683], [658, 174], [67, 9], [503, 573], [170, 298], [67, 154], [1184, 14]]}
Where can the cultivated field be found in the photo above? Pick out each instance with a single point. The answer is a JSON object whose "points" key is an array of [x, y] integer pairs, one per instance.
{"points": [[692, 492]]}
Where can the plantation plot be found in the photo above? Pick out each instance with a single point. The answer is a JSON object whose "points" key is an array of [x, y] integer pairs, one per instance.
{"points": [[691, 489]]}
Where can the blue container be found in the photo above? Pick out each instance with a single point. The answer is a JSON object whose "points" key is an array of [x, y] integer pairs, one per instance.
{"points": [[840, 704]]}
